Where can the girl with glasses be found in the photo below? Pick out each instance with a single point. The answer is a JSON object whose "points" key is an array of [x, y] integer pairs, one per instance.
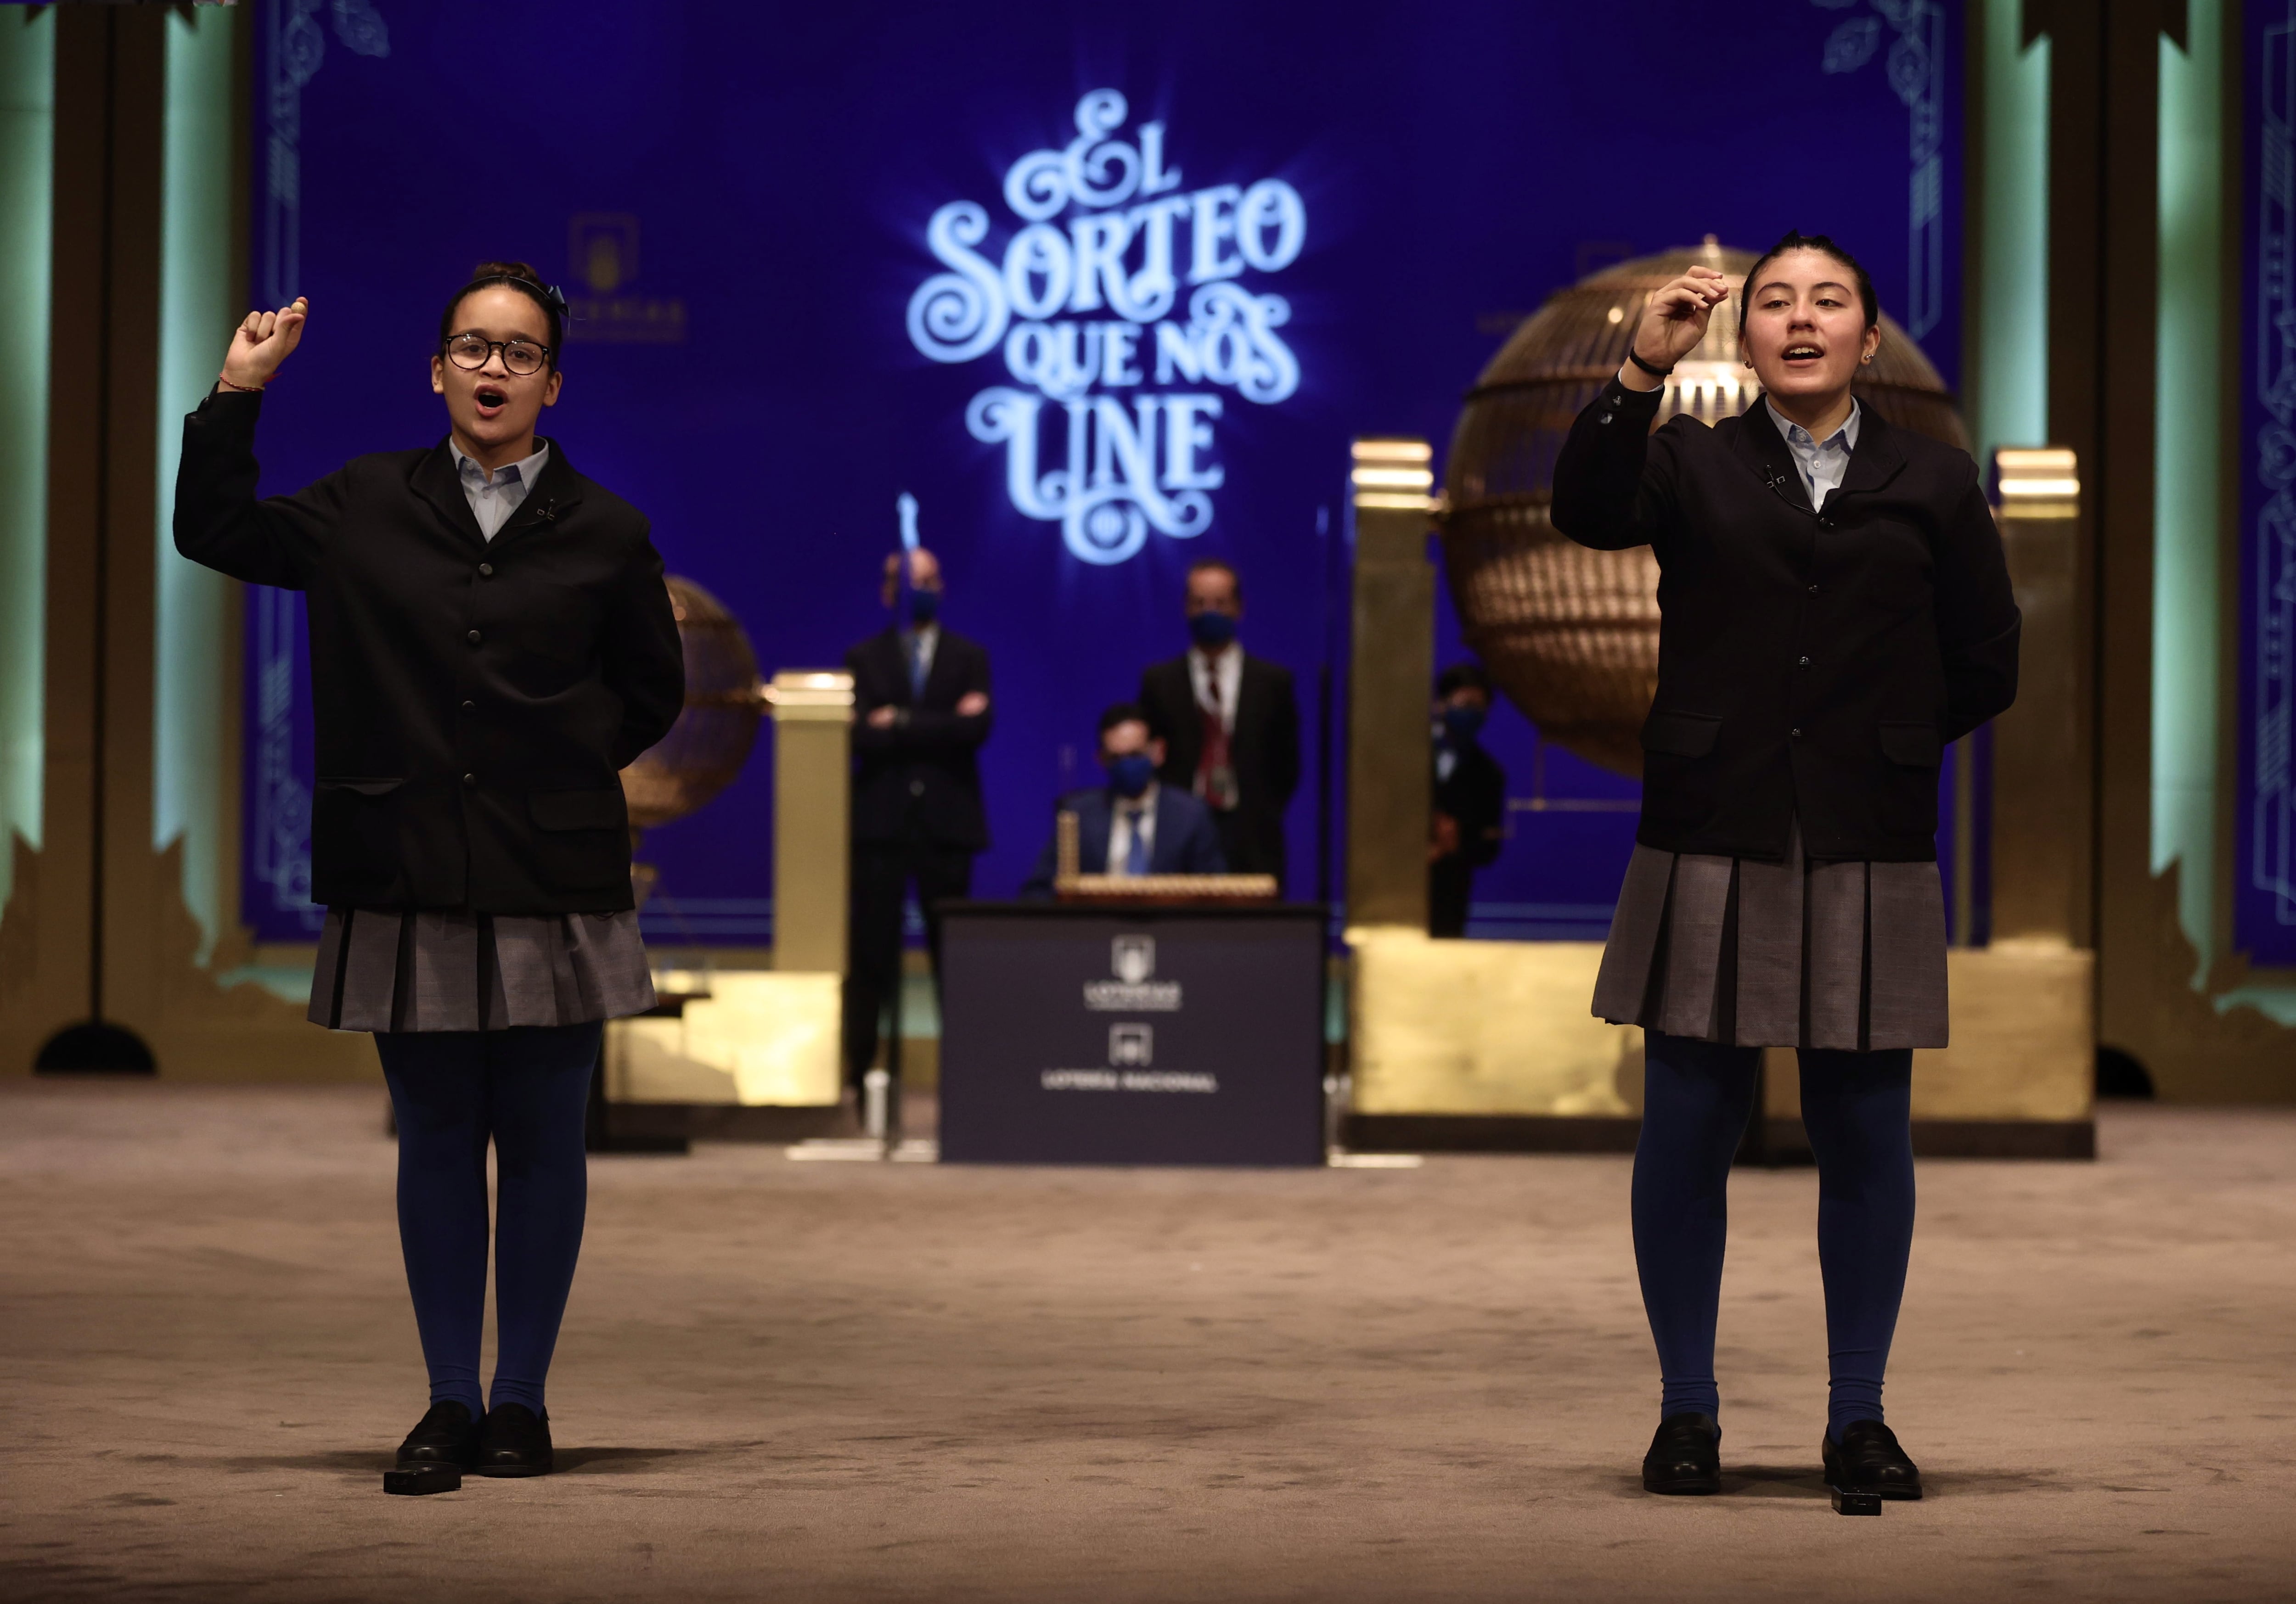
{"points": [[491, 643]]}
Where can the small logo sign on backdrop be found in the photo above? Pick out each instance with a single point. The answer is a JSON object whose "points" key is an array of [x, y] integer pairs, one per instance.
{"points": [[1119, 303], [1131, 1045], [603, 251]]}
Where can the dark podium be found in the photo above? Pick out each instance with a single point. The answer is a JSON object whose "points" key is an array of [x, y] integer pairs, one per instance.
{"points": [[1085, 1034]]}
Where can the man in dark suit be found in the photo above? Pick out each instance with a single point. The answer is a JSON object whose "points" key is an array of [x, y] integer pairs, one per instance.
{"points": [[1470, 816], [1230, 724], [1133, 825], [920, 714]]}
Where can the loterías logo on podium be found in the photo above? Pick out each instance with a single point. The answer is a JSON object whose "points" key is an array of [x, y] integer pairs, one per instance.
{"points": [[1132, 961], [1125, 309]]}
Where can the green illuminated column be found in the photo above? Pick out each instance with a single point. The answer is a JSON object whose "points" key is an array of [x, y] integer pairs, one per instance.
{"points": [[194, 747], [2006, 345], [27, 140], [2009, 308], [2188, 515]]}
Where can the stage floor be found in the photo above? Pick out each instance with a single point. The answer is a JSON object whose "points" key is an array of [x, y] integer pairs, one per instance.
{"points": [[876, 1382]]}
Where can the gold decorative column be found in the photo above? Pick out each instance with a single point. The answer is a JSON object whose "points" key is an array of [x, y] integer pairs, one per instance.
{"points": [[813, 817], [2043, 810], [770, 1039], [2024, 1005], [1390, 674]]}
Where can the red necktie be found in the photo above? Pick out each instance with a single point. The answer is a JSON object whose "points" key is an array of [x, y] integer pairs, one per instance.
{"points": [[1215, 780]]}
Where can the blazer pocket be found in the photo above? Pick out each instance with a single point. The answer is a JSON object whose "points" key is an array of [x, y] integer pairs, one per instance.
{"points": [[1681, 734], [354, 833], [577, 810], [1914, 745]]}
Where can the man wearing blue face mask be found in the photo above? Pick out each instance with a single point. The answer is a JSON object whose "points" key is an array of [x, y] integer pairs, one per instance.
{"points": [[1469, 814], [1133, 825], [1230, 724], [920, 713]]}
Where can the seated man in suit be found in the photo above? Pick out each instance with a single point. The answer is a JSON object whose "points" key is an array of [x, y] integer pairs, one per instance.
{"points": [[1133, 825]]}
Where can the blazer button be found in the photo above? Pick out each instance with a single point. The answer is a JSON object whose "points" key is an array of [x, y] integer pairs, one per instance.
{"points": [[1803, 664], [473, 780], [486, 571], [474, 637], [916, 787], [470, 707], [1813, 590], [1605, 418], [1794, 733]]}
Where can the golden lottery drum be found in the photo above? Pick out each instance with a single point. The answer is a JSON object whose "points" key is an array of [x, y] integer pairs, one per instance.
{"points": [[716, 728]]}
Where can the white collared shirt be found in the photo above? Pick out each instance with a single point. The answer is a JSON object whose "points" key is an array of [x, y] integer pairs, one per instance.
{"points": [[1133, 816], [1217, 683], [1822, 463], [918, 644], [494, 496]]}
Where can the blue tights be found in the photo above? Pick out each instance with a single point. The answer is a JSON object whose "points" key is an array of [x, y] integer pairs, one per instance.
{"points": [[1697, 1097], [528, 1091]]}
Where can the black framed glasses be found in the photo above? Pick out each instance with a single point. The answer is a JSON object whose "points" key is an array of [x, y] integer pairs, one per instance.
{"points": [[472, 352]]}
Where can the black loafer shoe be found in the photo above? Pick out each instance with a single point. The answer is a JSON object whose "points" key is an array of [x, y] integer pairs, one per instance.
{"points": [[447, 1436], [1684, 1456], [514, 1441], [1868, 1460]]}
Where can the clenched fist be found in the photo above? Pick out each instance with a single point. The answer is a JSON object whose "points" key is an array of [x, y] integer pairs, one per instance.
{"points": [[260, 344], [1675, 321]]}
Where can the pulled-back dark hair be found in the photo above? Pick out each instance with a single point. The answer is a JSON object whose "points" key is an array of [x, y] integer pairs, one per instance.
{"points": [[1795, 240], [521, 277], [1121, 713]]}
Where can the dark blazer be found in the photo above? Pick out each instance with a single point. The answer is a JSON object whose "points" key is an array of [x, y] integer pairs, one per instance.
{"points": [[1475, 796], [920, 780], [474, 700], [1186, 842], [1809, 662], [1264, 746]]}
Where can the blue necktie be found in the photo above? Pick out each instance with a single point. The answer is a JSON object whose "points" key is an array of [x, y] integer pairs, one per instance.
{"points": [[917, 668], [1135, 858]]}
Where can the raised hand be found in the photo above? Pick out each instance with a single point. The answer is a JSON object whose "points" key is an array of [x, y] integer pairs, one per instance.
{"points": [[261, 343], [1675, 319]]}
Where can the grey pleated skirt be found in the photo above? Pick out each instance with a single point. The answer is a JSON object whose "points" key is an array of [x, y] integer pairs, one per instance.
{"points": [[395, 971], [1791, 954]]}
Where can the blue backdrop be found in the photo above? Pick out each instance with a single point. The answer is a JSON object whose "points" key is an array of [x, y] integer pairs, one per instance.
{"points": [[2264, 810], [1104, 291]]}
